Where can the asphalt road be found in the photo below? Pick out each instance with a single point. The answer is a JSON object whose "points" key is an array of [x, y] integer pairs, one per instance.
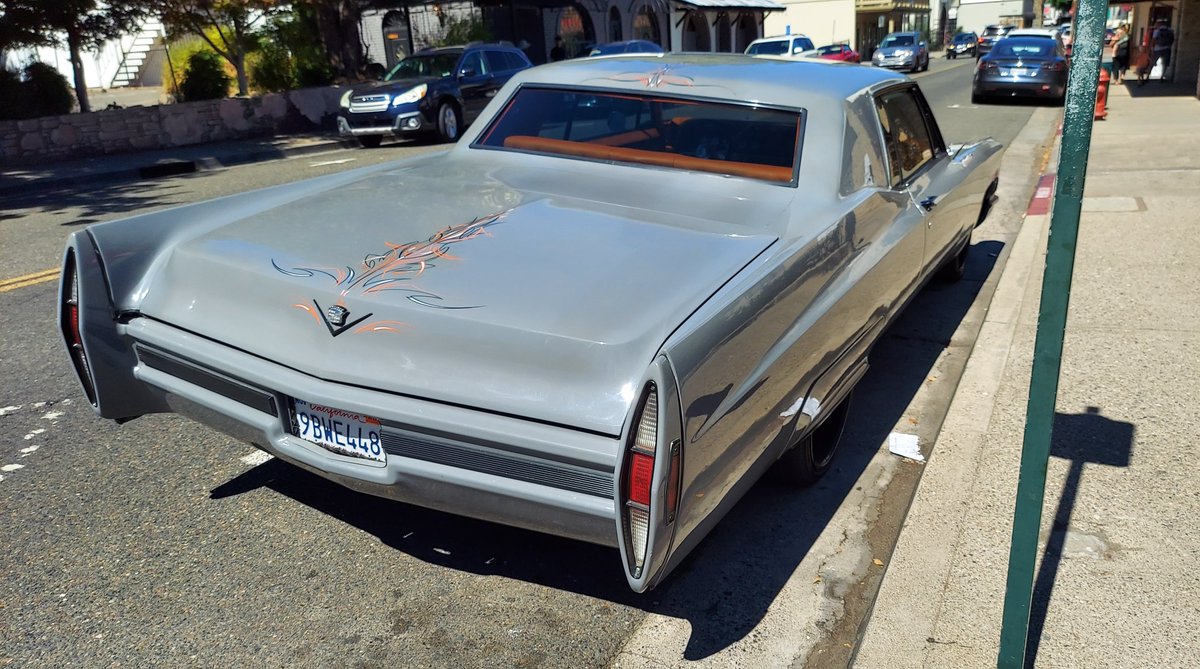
{"points": [[163, 543]]}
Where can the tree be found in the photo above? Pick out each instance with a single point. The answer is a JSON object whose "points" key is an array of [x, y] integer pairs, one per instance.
{"points": [[337, 21], [76, 24], [231, 21]]}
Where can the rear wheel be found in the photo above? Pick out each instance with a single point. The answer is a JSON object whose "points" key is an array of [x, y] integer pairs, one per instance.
{"points": [[812, 455], [448, 121], [370, 141]]}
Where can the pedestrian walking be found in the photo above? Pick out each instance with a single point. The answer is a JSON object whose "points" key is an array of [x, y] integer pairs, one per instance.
{"points": [[558, 52], [1120, 47], [1162, 39]]}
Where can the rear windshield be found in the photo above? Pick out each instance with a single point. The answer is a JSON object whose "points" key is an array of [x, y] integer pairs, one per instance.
{"points": [[992, 31], [827, 50], [772, 48], [737, 140], [897, 40], [1025, 47]]}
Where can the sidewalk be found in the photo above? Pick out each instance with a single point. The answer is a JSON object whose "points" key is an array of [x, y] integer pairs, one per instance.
{"points": [[164, 162], [1117, 581]]}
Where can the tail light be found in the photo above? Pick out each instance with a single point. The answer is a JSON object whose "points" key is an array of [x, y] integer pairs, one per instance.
{"points": [[648, 510], [70, 326], [639, 481], [987, 65]]}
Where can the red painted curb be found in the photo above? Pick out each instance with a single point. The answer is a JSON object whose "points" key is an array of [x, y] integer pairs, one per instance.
{"points": [[1040, 204]]}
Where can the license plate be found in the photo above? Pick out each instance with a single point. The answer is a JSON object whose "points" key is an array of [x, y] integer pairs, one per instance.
{"points": [[1017, 72], [339, 431]]}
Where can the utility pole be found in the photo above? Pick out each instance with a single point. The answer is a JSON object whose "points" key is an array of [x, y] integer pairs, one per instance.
{"points": [[1052, 320]]}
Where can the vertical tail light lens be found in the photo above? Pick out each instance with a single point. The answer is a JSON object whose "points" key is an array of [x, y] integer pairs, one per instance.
{"points": [[646, 514], [639, 481], [70, 325]]}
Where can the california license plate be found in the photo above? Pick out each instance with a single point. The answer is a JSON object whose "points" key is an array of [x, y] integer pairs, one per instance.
{"points": [[338, 430], [1017, 72]]}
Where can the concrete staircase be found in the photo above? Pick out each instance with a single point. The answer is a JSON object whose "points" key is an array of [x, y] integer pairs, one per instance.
{"points": [[136, 53]]}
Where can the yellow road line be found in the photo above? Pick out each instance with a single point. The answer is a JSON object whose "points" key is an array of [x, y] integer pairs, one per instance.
{"points": [[29, 280]]}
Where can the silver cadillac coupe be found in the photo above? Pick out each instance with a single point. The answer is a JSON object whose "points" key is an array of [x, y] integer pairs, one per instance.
{"points": [[632, 286]]}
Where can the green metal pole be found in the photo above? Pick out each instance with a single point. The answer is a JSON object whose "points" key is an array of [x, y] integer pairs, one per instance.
{"points": [[1052, 321]]}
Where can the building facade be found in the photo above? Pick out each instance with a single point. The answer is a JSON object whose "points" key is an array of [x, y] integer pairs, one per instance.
{"points": [[676, 25], [877, 18], [823, 21]]}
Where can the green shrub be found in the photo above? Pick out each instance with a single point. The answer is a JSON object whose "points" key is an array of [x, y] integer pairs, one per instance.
{"points": [[205, 79], [292, 55], [11, 107], [180, 53], [272, 71], [46, 91], [38, 91], [462, 31]]}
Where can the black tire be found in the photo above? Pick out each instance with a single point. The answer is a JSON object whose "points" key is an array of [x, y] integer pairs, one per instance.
{"points": [[955, 267], [953, 56], [449, 122], [977, 99], [370, 141], [810, 457]]}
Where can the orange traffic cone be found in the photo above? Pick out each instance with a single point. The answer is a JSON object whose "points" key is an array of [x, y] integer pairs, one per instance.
{"points": [[1102, 95]]}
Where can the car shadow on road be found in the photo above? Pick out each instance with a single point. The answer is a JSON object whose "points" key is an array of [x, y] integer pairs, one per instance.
{"points": [[94, 201], [725, 587]]}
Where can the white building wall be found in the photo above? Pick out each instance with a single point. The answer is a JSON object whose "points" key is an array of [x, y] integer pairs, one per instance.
{"points": [[823, 21], [975, 16], [370, 31]]}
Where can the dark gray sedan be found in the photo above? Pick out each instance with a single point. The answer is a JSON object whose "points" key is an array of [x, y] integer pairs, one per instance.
{"points": [[1025, 66]]}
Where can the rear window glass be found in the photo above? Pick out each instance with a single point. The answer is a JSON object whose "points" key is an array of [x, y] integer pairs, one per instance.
{"points": [[729, 139], [772, 48], [1023, 47]]}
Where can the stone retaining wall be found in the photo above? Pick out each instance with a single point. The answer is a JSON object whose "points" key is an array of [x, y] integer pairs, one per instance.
{"points": [[55, 138]]}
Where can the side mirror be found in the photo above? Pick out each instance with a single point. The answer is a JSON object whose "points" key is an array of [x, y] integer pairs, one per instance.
{"points": [[922, 45], [468, 72]]}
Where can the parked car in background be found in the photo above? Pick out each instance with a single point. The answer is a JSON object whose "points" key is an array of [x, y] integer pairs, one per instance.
{"points": [[902, 51], [1021, 66], [963, 44], [840, 52], [629, 289], [432, 91], [990, 36], [628, 46], [785, 45]]}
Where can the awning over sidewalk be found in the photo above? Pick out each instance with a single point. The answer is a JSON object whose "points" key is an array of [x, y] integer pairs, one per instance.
{"points": [[733, 4]]}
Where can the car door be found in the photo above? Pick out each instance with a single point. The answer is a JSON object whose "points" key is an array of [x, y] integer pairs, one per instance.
{"points": [[918, 160], [474, 83]]}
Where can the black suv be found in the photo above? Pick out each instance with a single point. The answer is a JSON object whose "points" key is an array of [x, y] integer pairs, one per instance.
{"points": [[434, 90], [990, 36]]}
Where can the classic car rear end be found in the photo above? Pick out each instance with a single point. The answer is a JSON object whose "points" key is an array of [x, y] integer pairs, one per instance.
{"points": [[620, 298]]}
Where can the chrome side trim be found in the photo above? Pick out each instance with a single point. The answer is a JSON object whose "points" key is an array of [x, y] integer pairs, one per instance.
{"points": [[485, 460]]}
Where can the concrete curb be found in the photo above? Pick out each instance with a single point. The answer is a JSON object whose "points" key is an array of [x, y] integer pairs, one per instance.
{"points": [[910, 599]]}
